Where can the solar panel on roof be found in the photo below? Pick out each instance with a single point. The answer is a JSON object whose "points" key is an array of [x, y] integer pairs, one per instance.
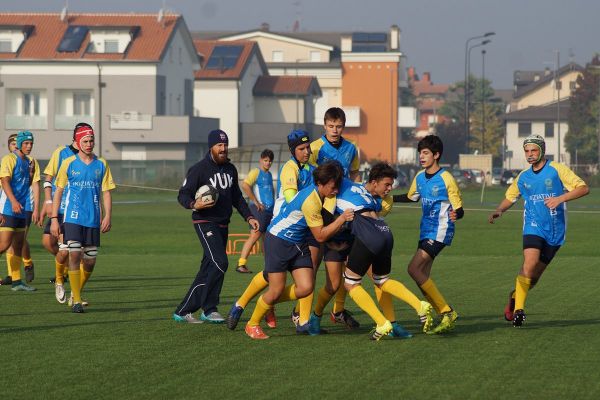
{"points": [[377, 37], [360, 37], [369, 48], [224, 57], [72, 39], [366, 37]]}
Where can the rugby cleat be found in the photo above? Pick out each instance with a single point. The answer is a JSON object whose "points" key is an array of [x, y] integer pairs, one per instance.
{"points": [[446, 324], [212, 318], [510, 307], [302, 329], [255, 332], [83, 302], [29, 273], [22, 287], [77, 308], [271, 319], [345, 317], [425, 316], [518, 318], [189, 318], [295, 317], [242, 269], [314, 324], [382, 331], [60, 294], [6, 281], [234, 316], [399, 332]]}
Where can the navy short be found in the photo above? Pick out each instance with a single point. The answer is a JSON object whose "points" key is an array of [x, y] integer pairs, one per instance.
{"points": [[337, 255], [28, 215], [49, 222], [375, 234], [312, 242], [431, 247], [547, 252], [13, 223], [263, 217], [78, 233], [283, 256], [361, 258]]}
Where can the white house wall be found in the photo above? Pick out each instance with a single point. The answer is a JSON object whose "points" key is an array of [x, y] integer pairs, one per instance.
{"points": [[514, 143], [253, 72], [219, 99]]}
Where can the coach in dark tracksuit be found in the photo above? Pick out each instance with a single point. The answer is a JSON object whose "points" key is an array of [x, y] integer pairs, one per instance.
{"points": [[211, 222]]}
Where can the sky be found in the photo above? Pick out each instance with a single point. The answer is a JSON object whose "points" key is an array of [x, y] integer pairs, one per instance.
{"points": [[528, 33]]}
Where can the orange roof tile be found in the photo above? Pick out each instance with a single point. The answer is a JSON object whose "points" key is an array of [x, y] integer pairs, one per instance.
{"points": [[420, 88], [205, 47], [148, 45], [285, 85]]}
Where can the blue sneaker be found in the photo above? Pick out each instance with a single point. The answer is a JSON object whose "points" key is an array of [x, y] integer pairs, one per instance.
{"points": [[314, 325], [303, 329], [399, 332], [212, 318], [234, 316], [188, 318]]}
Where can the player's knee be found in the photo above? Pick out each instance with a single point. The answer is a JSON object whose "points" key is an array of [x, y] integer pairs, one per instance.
{"points": [[90, 252], [350, 281], [74, 246], [380, 279], [303, 290]]}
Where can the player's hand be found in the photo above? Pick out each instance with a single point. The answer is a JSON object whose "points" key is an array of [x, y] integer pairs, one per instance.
{"points": [[105, 225], [17, 208], [452, 215], [553, 202], [253, 224], [47, 209], [494, 215], [35, 217], [260, 206], [348, 214], [54, 227], [199, 204], [337, 246]]}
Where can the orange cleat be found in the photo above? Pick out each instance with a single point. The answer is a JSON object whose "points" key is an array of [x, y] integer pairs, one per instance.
{"points": [[255, 332], [270, 319]]}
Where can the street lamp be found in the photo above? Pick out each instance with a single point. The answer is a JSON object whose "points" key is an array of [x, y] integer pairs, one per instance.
{"points": [[482, 101], [466, 82], [468, 99]]}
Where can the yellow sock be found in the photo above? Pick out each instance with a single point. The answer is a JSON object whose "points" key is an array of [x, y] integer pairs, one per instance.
{"points": [[75, 280], [432, 293], [259, 312], [14, 264], [305, 308], [385, 303], [85, 276], [400, 291], [27, 262], [9, 271], [366, 303], [257, 284], [242, 261], [289, 294], [59, 272], [340, 299], [297, 307], [323, 297], [521, 289]]}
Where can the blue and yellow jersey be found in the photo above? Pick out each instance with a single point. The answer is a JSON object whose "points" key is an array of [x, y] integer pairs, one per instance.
{"points": [[56, 159], [356, 197], [385, 205], [439, 194], [296, 218], [346, 153], [536, 186], [20, 171], [261, 183], [34, 181], [292, 176], [84, 184]]}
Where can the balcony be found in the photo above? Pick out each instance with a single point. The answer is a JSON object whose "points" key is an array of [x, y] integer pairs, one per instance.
{"points": [[20, 122], [67, 122], [131, 120]]}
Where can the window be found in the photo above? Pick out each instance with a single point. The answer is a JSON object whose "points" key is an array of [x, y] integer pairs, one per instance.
{"points": [[72, 39], [31, 103], [5, 46], [277, 56], [315, 56], [82, 104], [524, 128], [111, 46], [549, 129]]}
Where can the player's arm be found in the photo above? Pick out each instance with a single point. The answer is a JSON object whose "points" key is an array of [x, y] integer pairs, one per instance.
{"points": [[411, 196], [247, 188], [457, 211], [575, 185], [6, 171], [54, 224], [50, 172], [289, 181], [105, 225], [354, 167], [35, 188], [187, 192], [312, 212]]}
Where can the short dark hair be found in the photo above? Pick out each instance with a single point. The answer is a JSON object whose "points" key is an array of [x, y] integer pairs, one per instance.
{"points": [[335, 113], [267, 153], [329, 171], [382, 170], [433, 143], [12, 138], [80, 125]]}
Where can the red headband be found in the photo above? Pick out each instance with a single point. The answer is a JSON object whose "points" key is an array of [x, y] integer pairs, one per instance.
{"points": [[82, 132]]}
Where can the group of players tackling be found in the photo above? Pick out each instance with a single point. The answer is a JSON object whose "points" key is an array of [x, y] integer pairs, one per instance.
{"points": [[75, 180], [321, 213]]}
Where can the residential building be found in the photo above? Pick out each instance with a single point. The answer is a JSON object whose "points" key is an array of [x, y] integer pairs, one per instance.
{"points": [[128, 75], [430, 98]]}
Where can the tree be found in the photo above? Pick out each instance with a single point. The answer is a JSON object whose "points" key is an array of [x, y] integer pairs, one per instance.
{"points": [[454, 138], [582, 138]]}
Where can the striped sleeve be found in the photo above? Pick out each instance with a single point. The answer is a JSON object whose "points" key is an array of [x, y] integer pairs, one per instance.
{"points": [[311, 208], [512, 193], [567, 176], [453, 190], [413, 194]]}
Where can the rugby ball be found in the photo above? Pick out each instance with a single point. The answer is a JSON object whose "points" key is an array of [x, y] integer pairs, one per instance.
{"points": [[207, 193]]}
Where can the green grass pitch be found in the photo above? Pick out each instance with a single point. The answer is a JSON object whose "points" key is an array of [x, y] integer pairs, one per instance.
{"points": [[127, 347]]}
